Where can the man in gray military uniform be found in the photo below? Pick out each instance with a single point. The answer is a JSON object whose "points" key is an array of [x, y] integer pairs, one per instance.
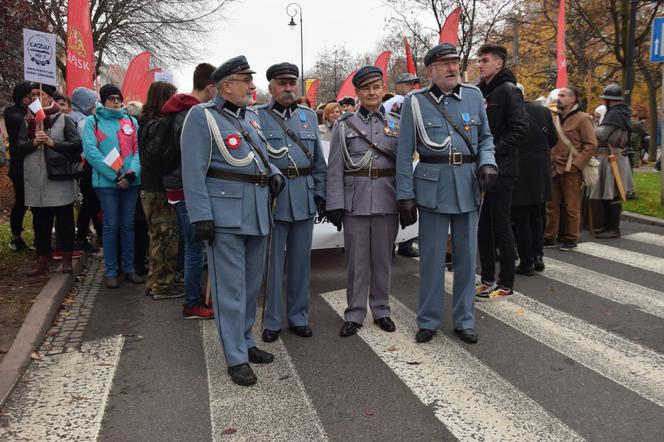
{"points": [[228, 185], [294, 147], [446, 125], [361, 198]]}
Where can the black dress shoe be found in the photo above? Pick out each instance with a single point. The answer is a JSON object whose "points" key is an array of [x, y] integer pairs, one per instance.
{"points": [[385, 324], [258, 356], [408, 251], [468, 335], [539, 263], [523, 270], [242, 374], [303, 331], [349, 329], [270, 335], [424, 335]]}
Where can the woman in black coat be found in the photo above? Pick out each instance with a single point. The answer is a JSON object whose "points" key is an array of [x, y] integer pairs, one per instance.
{"points": [[533, 188]]}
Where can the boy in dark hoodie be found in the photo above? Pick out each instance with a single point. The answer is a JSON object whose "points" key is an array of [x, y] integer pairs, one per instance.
{"points": [[179, 106], [508, 123]]}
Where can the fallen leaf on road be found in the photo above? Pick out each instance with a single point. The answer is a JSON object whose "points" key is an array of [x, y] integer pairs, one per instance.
{"points": [[229, 431], [519, 312], [413, 362], [35, 356], [368, 413], [65, 314], [393, 348], [283, 378]]}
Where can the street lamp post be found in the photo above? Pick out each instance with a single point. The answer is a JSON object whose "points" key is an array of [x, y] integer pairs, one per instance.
{"points": [[297, 9]]}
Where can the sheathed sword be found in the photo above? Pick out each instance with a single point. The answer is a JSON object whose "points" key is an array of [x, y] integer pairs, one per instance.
{"points": [[266, 270], [613, 160]]}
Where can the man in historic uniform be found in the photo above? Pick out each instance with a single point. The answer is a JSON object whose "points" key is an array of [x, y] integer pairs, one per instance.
{"points": [[446, 124], [229, 185], [361, 199], [347, 104], [294, 147]]}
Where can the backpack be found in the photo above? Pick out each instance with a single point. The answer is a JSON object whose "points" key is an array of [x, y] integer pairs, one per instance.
{"points": [[158, 150]]}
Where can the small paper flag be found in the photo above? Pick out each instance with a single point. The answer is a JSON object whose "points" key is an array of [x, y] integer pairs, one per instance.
{"points": [[37, 109], [114, 160]]}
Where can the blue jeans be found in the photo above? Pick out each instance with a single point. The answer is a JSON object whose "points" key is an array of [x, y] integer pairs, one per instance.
{"points": [[118, 208], [193, 257]]}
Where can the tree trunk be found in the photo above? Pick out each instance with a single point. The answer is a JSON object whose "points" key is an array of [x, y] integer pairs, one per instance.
{"points": [[651, 82]]}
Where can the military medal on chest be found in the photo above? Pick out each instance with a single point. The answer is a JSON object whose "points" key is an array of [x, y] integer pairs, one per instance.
{"points": [[466, 121], [303, 119], [390, 127]]}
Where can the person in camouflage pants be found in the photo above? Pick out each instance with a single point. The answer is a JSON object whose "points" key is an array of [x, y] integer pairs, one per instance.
{"points": [[161, 219]]}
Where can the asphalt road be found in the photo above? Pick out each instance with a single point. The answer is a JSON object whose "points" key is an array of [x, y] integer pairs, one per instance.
{"points": [[577, 354]]}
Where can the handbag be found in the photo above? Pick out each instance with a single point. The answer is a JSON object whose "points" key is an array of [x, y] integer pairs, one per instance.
{"points": [[60, 167], [590, 173]]}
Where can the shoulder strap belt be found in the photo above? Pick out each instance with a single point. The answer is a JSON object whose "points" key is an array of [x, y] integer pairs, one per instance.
{"points": [[293, 136], [245, 134], [371, 144], [451, 122]]}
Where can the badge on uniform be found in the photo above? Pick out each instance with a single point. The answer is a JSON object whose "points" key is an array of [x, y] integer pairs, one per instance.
{"points": [[127, 129], [466, 121], [389, 128], [233, 141]]}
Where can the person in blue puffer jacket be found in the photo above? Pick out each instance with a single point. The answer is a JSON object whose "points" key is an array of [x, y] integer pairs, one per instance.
{"points": [[111, 148]]}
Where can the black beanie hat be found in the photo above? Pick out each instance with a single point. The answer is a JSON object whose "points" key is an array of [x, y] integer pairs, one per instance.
{"points": [[107, 90], [21, 90]]}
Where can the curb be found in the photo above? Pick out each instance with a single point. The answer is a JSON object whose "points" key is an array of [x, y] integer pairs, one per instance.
{"points": [[643, 219], [35, 325]]}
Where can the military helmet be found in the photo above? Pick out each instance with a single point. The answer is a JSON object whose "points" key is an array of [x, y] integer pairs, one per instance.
{"points": [[612, 92]]}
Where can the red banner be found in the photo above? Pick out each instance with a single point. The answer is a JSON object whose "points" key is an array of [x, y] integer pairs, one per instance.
{"points": [[312, 92], [449, 33], [561, 81], [80, 52], [381, 63], [132, 86], [410, 64], [347, 88]]}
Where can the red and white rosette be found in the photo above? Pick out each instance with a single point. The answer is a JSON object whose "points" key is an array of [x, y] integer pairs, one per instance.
{"points": [[233, 141]]}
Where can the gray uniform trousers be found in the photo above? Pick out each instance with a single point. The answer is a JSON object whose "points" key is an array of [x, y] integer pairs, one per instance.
{"points": [[369, 242], [237, 263], [433, 238], [291, 242]]}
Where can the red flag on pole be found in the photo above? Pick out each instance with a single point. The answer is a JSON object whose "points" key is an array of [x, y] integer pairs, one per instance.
{"points": [[449, 33], [381, 63], [312, 92], [410, 64], [138, 68], [347, 88], [80, 52], [561, 81]]}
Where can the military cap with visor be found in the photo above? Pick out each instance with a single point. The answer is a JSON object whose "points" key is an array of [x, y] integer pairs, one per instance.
{"points": [[444, 51], [285, 70], [236, 65], [407, 78], [366, 75]]}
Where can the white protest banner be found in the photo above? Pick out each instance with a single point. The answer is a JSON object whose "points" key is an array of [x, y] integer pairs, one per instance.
{"points": [[163, 76], [39, 57]]}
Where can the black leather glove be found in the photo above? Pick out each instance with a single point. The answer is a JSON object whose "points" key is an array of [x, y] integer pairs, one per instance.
{"points": [[336, 217], [204, 230], [407, 212], [276, 183], [320, 206], [487, 177]]}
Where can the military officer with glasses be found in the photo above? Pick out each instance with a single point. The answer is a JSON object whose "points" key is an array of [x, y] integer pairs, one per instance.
{"points": [[446, 124], [361, 198], [294, 147], [229, 185]]}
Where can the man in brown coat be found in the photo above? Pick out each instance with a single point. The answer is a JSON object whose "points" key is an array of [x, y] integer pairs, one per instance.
{"points": [[576, 145]]}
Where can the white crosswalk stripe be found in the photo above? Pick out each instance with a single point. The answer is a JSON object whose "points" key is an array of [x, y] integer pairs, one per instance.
{"points": [[631, 365], [277, 405], [617, 290], [64, 397], [472, 400], [647, 238], [622, 256]]}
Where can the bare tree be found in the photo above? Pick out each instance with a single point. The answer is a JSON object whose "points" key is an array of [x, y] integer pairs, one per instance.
{"points": [[169, 29], [331, 67]]}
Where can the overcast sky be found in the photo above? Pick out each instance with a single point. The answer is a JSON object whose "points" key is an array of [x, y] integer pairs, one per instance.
{"points": [[259, 30]]}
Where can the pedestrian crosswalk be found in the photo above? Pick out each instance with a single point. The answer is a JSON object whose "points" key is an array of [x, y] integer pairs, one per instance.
{"points": [[467, 390]]}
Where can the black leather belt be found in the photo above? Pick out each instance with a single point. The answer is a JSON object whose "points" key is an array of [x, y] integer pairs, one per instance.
{"points": [[261, 179], [373, 173], [291, 172], [456, 159]]}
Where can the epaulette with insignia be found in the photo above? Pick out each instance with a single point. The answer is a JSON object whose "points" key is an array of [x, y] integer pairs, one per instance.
{"points": [[416, 91], [394, 115], [306, 109], [251, 109], [260, 106], [207, 104], [470, 86]]}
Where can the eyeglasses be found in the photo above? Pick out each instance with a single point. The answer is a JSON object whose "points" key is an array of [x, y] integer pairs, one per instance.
{"points": [[115, 99], [246, 80]]}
